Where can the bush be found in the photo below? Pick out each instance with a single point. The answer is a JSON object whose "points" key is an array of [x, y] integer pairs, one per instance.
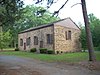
{"points": [[50, 52], [33, 50], [97, 48], [17, 49], [43, 50]]}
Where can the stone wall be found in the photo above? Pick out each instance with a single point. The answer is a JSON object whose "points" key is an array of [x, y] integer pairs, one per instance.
{"points": [[41, 34], [63, 45]]}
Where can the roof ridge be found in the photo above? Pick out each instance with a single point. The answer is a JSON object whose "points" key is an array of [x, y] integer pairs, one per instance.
{"points": [[46, 25]]}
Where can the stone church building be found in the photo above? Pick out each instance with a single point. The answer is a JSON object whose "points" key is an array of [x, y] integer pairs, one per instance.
{"points": [[61, 36]]}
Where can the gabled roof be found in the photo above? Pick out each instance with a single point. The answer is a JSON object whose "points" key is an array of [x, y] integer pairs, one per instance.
{"points": [[67, 22], [72, 25]]}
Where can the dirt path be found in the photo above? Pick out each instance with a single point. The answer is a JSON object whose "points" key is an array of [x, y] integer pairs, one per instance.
{"points": [[11, 65]]}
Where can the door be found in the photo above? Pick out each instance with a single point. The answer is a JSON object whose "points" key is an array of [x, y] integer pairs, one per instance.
{"points": [[41, 44], [24, 46]]}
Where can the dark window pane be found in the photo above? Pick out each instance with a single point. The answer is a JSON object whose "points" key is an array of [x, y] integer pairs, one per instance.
{"points": [[69, 35], [35, 40], [49, 38], [28, 41]]}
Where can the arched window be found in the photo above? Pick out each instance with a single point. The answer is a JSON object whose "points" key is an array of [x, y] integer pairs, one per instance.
{"points": [[28, 41], [49, 38], [21, 42], [35, 40]]}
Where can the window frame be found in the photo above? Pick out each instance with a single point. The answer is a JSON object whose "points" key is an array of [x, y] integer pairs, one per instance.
{"points": [[35, 40], [28, 41], [68, 35], [49, 38]]}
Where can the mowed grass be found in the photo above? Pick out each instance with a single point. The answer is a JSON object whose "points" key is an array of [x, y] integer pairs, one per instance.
{"points": [[8, 49], [68, 57]]}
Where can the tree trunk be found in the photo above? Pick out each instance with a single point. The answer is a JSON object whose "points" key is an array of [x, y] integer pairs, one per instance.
{"points": [[88, 32]]}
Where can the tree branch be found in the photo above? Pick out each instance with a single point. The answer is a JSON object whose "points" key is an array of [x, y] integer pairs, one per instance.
{"points": [[75, 4], [57, 12]]}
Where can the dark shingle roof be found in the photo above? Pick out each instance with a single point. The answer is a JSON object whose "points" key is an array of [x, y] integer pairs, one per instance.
{"points": [[43, 26]]}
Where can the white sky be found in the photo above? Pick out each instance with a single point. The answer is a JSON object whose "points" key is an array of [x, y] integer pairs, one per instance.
{"points": [[74, 13]]}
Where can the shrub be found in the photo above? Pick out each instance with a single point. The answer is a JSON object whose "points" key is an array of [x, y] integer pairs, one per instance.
{"points": [[43, 50], [16, 49], [97, 48], [50, 52], [33, 50]]}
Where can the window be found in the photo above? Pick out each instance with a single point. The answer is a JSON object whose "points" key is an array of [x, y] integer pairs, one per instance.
{"points": [[68, 35], [35, 40], [28, 41], [21, 42], [49, 38]]}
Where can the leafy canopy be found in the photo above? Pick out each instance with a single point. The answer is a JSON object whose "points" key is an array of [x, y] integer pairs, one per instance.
{"points": [[5, 39]]}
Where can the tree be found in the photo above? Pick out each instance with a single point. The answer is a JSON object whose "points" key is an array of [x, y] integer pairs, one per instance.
{"points": [[5, 39], [95, 29], [88, 32], [9, 11], [31, 19], [83, 38]]}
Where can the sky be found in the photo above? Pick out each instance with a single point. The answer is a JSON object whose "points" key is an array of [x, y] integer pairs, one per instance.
{"points": [[75, 13]]}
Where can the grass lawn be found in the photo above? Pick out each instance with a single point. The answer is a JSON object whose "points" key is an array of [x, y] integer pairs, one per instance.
{"points": [[69, 57], [7, 49]]}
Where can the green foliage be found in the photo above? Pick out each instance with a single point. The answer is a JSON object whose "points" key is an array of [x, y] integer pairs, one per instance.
{"points": [[43, 50], [33, 50], [50, 51], [83, 38], [95, 30], [30, 19], [97, 48], [9, 11], [5, 39], [16, 49]]}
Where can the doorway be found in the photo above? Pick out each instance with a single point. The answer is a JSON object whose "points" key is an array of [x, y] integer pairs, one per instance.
{"points": [[24, 46]]}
